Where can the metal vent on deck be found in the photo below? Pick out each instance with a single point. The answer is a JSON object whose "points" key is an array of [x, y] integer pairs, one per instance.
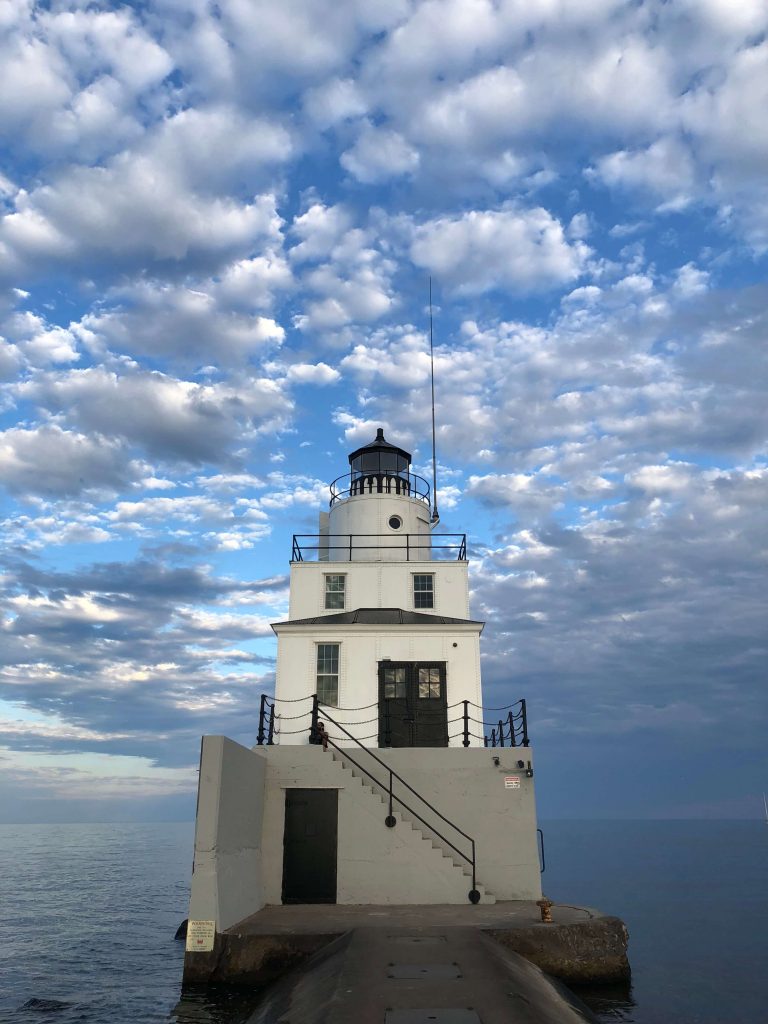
{"points": [[427, 972], [438, 1016]]}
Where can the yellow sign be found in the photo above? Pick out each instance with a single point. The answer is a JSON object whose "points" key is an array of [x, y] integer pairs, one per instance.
{"points": [[200, 936]]}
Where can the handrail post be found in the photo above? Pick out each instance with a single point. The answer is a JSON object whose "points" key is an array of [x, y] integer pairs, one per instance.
{"points": [[525, 723], [271, 731], [407, 547], [350, 547], [465, 741], [501, 733], [390, 821], [485, 741], [493, 737], [511, 721], [474, 895], [313, 730], [260, 734]]}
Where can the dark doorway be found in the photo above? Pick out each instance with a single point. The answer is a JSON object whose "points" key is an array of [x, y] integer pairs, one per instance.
{"points": [[413, 706], [309, 845]]}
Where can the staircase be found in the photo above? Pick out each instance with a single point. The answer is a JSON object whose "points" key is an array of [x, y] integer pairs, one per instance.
{"points": [[433, 845]]}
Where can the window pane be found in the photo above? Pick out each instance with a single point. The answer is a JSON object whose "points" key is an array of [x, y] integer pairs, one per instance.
{"points": [[423, 590], [334, 591], [423, 689], [327, 659], [328, 690]]}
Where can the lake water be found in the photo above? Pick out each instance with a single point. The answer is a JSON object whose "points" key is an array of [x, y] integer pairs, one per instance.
{"points": [[88, 914]]}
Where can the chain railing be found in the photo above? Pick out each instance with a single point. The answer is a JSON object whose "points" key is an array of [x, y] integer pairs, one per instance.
{"points": [[510, 730]]}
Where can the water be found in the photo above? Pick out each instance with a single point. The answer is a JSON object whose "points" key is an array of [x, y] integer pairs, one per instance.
{"points": [[88, 914]]}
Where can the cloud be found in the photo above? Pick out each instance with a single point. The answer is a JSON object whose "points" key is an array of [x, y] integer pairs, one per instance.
{"points": [[525, 250], [50, 461], [166, 417], [379, 154]]}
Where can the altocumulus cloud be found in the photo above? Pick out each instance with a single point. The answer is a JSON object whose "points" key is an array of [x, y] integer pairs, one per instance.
{"points": [[216, 229]]}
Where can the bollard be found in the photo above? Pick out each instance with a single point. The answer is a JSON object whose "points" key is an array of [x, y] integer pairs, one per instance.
{"points": [[546, 909]]}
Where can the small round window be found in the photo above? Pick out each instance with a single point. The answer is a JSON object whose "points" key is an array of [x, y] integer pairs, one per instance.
{"points": [[395, 522]]}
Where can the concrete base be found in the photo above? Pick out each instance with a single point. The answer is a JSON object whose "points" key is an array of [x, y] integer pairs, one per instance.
{"points": [[580, 946]]}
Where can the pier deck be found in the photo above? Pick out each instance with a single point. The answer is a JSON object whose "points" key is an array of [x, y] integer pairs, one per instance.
{"points": [[581, 945]]}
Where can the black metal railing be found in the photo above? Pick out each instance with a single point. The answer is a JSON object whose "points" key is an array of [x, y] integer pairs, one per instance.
{"points": [[417, 547], [404, 483], [510, 731], [319, 735]]}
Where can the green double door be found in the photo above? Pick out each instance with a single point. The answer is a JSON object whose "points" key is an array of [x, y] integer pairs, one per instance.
{"points": [[413, 706]]}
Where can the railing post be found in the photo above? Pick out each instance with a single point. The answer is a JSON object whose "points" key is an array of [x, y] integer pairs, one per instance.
{"points": [[313, 730], [501, 733], [465, 741], [511, 720], [525, 723], [493, 737], [271, 731], [485, 741], [390, 821], [260, 734], [474, 895], [350, 547], [407, 547]]}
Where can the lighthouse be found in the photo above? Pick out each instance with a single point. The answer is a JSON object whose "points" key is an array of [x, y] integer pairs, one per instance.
{"points": [[378, 776], [378, 616]]}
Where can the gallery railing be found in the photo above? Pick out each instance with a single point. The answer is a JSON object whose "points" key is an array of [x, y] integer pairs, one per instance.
{"points": [[319, 547], [352, 485], [510, 730]]}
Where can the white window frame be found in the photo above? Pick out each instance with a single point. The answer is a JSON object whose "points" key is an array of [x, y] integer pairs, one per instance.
{"points": [[327, 593], [327, 675], [416, 606]]}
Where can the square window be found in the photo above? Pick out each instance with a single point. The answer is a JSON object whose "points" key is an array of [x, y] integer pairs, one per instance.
{"points": [[423, 590], [394, 683], [429, 683], [335, 591]]}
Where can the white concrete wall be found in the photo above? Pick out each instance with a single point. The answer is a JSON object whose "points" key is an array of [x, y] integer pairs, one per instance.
{"points": [[469, 789], [369, 514], [379, 585], [360, 650], [378, 865], [226, 879]]}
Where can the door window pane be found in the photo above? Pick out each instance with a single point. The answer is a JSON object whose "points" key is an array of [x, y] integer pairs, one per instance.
{"points": [[429, 683], [423, 590], [394, 683], [328, 674], [335, 587]]}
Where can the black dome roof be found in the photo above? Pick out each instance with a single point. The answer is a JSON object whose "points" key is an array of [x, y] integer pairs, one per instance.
{"points": [[379, 444]]}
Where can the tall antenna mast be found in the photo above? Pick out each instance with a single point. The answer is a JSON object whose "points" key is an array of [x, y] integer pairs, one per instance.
{"points": [[435, 513]]}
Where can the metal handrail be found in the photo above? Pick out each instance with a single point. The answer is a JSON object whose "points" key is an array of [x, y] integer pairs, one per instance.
{"points": [[321, 737], [403, 483], [412, 543]]}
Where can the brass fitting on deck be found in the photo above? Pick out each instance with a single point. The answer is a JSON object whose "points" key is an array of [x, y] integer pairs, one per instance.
{"points": [[545, 906]]}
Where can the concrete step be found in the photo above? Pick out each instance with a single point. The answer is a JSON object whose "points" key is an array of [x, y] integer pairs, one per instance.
{"points": [[429, 837]]}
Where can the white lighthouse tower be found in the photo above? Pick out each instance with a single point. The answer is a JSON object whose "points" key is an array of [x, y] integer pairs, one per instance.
{"points": [[377, 776], [379, 615]]}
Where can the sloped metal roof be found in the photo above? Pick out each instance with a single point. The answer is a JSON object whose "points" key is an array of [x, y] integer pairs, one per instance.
{"points": [[380, 617]]}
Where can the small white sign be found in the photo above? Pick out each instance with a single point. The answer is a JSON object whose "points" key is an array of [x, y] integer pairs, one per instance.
{"points": [[511, 782], [200, 936]]}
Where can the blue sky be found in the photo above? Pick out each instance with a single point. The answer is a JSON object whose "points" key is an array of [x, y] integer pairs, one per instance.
{"points": [[217, 226]]}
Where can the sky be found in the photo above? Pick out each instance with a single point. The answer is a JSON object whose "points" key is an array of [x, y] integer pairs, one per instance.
{"points": [[218, 222]]}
